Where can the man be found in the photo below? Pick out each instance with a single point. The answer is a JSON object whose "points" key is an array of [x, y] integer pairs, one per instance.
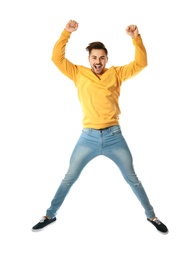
{"points": [[98, 91]]}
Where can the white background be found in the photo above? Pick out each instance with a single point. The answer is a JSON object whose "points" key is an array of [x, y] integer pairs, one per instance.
{"points": [[40, 122]]}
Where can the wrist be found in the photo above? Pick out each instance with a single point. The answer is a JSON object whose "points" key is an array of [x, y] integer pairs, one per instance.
{"points": [[135, 36]]}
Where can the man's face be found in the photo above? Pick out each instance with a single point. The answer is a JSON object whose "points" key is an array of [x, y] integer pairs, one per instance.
{"points": [[98, 60]]}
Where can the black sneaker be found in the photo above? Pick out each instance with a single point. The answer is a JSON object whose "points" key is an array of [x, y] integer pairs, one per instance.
{"points": [[159, 225], [43, 223]]}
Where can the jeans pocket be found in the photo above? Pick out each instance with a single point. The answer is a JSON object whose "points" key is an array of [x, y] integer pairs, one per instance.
{"points": [[86, 130], [115, 130]]}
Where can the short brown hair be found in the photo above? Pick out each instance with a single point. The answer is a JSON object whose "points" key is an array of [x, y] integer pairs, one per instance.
{"points": [[96, 45]]}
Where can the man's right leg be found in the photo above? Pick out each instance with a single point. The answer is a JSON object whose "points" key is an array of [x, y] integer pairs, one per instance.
{"points": [[82, 154]]}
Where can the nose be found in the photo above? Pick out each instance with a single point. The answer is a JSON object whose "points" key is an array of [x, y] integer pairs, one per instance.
{"points": [[98, 60]]}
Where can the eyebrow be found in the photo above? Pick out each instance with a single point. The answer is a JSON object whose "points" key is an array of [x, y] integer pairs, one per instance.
{"points": [[103, 56]]}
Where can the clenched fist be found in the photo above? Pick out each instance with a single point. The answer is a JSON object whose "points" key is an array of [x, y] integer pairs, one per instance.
{"points": [[132, 31], [71, 26]]}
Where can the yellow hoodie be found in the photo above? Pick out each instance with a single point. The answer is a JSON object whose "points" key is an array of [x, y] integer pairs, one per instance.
{"points": [[98, 94]]}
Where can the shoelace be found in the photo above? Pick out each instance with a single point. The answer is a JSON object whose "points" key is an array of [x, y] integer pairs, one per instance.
{"points": [[157, 221]]}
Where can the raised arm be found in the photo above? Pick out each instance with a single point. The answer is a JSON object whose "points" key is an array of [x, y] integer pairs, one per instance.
{"points": [[58, 54], [140, 57]]}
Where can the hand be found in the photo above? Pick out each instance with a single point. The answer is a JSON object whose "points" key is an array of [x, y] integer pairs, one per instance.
{"points": [[132, 31], [71, 26]]}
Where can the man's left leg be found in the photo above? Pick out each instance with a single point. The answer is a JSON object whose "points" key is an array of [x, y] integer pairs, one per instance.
{"points": [[118, 151]]}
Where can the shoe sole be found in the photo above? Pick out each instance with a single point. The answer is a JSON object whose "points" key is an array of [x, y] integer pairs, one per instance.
{"points": [[41, 229]]}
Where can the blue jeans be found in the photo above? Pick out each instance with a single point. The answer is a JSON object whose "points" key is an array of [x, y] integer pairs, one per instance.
{"points": [[92, 143]]}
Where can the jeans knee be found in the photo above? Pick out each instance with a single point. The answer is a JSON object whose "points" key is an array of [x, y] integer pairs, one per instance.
{"points": [[137, 184], [70, 178]]}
